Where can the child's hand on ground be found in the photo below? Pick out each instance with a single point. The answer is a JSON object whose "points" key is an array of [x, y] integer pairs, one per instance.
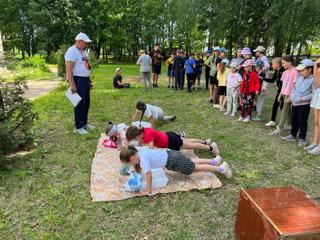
{"points": [[145, 193]]}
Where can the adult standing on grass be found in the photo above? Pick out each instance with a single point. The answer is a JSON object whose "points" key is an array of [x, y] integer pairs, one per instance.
{"points": [[156, 57], [78, 72], [178, 69], [144, 60]]}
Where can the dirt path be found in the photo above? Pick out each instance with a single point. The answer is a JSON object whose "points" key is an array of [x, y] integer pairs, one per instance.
{"points": [[41, 87]]}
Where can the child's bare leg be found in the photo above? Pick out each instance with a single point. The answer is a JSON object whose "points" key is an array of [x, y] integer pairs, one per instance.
{"points": [[211, 91], [224, 101], [194, 140], [190, 145], [215, 161], [317, 125]]}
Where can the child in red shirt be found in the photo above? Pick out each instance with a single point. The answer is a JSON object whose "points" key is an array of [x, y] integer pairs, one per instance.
{"points": [[249, 87], [170, 140]]}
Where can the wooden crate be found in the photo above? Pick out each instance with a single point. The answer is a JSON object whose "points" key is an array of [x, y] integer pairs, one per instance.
{"points": [[277, 214]]}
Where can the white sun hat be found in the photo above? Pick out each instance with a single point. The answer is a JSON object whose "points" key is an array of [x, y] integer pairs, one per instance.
{"points": [[84, 37]]}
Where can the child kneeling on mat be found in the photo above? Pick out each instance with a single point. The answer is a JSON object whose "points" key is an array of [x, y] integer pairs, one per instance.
{"points": [[146, 159]]}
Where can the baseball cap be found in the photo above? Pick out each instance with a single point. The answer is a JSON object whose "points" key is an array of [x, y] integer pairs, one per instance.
{"points": [[246, 51], [260, 49], [84, 37], [248, 63], [304, 64], [234, 65], [223, 49], [225, 61], [216, 48], [208, 51]]}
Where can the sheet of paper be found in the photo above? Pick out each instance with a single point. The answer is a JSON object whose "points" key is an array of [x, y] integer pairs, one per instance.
{"points": [[74, 98]]}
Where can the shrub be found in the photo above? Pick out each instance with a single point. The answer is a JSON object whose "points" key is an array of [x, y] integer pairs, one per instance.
{"points": [[16, 115], [60, 60]]}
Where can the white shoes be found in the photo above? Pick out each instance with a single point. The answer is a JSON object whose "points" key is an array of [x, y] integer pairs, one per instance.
{"points": [[215, 149], [232, 115], [81, 131], [227, 113], [246, 120], [216, 105], [315, 151], [216, 161], [310, 147], [226, 171], [89, 127], [275, 132], [207, 142], [240, 119], [271, 124]]}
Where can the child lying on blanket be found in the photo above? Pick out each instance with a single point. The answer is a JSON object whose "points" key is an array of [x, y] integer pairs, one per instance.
{"points": [[146, 159], [169, 140]]}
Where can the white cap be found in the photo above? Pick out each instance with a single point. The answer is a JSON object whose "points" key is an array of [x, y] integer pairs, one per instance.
{"points": [[225, 61], [304, 64], [260, 49], [235, 65], [84, 37], [216, 48]]}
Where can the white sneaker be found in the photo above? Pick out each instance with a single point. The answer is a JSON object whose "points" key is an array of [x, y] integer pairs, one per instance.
{"points": [[315, 151], [240, 119], [287, 127], [215, 149], [226, 170], [216, 106], [227, 113], [232, 115], [89, 127], [246, 120], [275, 132], [207, 142], [216, 161], [81, 131], [222, 109], [310, 147], [271, 124]]}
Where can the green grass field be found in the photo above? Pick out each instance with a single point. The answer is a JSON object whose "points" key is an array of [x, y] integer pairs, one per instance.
{"points": [[46, 195]]}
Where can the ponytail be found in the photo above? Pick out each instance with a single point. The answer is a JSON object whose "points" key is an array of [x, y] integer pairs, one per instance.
{"points": [[142, 107]]}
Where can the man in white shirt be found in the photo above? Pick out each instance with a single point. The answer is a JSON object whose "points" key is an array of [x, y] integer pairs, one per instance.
{"points": [[78, 72]]}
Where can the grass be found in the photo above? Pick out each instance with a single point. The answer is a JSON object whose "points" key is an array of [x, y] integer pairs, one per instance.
{"points": [[46, 195]]}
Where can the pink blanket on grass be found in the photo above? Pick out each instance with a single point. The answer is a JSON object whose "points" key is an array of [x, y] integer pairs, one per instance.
{"points": [[108, 185]]}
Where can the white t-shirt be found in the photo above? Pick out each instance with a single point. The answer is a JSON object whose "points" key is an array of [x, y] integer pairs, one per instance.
{"points": [[154, 111], [78, 57], [233, 80], [144, 60], [152, 158]]}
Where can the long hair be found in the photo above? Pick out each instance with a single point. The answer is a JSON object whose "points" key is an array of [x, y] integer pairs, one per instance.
{"points": [[125, 155], [133, 132], [141, 106], [223, 67], [288, 58]]}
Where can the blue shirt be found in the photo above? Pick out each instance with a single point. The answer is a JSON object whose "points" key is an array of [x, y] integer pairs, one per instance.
{"points": [[302, 92], [189, 65]]}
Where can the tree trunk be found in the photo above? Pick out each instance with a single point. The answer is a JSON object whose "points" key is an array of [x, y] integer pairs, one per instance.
{"points": [[1, 50], [278, 46]]}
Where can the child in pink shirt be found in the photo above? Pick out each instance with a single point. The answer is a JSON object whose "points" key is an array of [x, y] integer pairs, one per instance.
{"points": [[289, 78]]}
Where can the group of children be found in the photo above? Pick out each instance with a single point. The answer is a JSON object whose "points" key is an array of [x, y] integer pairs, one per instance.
{"points": [[163, 148]]}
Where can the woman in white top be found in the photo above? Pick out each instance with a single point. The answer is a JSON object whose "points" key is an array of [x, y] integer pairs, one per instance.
{"points": [[144, 60], [154, 113]]}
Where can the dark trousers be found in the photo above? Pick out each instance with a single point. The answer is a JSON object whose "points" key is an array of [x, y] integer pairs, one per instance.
{"points": [[299, 120], [275, 107], [82, 109], [191, 78], [179, 78], [207, 76]]}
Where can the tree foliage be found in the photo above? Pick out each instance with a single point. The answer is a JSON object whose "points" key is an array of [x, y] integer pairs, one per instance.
{"points": [[122, 27]]}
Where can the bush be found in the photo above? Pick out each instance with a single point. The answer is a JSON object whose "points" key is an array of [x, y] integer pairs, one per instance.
{"points": [[16, 115], [60, 60]]}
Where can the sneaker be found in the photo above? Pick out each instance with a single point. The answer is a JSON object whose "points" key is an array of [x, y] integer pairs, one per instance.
{"points": [[216, 161], [211, 101], [89, 127], [81, 131], [240, 119], [246, 120], [207, 142], [289, 138], [310, 147], [222, 110], [257, 118], [183, 134], [173, 118], [172, 86], [215, 149], [168, 86], [275, 132], [156, 85], [315, 151], [232, 115], [225, 170], [216, 106], [302, 143], [271, 124], [227, 113]]}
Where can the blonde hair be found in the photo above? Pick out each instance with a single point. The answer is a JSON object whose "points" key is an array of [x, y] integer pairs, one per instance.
{"points": [[118, 69], [278, 60]]}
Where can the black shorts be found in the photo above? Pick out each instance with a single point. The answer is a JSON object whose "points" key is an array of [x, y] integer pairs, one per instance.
{"points": [[214, 80], [180, 163], [223, 90], [156, 69], [174, 141], [191, 76]]}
